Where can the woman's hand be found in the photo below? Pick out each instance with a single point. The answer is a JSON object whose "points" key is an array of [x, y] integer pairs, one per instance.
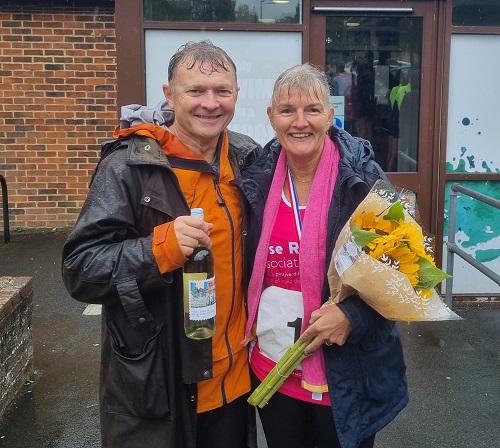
{"points": [[328, 325]]}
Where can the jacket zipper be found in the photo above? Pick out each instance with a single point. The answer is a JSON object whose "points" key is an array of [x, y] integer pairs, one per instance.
{"points": [[221, 202]]}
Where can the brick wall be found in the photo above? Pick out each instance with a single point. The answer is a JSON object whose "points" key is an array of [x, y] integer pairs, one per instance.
{"points": [[57, 103], [16, 344]]}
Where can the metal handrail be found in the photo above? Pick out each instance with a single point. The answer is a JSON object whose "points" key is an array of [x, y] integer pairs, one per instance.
{"points": [[452, 246], [5, 200]]}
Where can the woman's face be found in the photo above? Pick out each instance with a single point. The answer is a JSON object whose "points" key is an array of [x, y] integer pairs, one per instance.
{"points": [[300, 120]]}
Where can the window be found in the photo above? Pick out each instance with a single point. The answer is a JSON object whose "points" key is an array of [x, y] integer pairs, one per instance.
{"points": [[374, 66], [476, 13], [235, 11]]}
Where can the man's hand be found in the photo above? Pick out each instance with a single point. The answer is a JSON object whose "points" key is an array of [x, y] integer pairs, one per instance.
{"points": [[190, 232], [328, 325]]}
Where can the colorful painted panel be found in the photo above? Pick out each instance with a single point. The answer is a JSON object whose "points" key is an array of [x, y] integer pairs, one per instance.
{"points": [[473, 146], [473, 130], [478, 234]]}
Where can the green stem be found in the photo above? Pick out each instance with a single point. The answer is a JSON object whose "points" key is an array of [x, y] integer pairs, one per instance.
{"points": [[275, 378]]}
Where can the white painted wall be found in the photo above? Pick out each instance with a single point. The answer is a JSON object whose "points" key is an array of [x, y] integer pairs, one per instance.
{"points": [[259, 58]]}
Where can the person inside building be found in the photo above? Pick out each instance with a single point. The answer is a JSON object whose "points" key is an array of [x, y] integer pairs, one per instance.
{"points": [[158, 388], [301, 192], [340, 84], [366, 102]]}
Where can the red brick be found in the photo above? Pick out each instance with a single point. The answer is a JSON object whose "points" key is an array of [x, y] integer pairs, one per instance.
{"points": [[80, 48]]}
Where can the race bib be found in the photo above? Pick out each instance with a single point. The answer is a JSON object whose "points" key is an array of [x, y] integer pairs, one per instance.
{"points": [[279, 321]]}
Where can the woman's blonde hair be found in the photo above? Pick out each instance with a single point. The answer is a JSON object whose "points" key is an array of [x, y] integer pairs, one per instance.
{"points": [[304, 79]]}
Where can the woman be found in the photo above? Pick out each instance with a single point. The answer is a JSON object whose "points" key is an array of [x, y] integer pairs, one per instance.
{"points": [[301, 192]]}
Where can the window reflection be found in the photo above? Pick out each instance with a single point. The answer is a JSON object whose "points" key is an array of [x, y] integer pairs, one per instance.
{"points": [[236, 11], [374, 70]]}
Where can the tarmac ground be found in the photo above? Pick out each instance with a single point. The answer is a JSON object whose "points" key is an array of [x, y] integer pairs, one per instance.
{"points": [[453, 368]]}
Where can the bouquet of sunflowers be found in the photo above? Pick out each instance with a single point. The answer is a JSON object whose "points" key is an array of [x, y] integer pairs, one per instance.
{"points": [[383, 255]]}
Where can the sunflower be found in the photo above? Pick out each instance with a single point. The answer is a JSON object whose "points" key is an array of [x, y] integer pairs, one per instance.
{"points": [[398, 243], [412, 236], [408, 263], [368, 221], [382, 245]]}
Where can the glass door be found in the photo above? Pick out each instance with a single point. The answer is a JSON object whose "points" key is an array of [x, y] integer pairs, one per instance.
{"points": [[379, 62]]}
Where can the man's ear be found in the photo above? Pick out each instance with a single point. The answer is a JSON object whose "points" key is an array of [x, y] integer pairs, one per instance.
{"points": [[270, 116], [167, 91]]}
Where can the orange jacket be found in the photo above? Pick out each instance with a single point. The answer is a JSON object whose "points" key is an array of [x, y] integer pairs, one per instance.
{"points": [[202, 188]]}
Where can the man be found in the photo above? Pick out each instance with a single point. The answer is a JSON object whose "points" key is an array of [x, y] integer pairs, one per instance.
{"points": [[158, 388]]}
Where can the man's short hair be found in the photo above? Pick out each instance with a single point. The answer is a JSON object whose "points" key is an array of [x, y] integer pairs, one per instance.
{"points": [[204, 54]]}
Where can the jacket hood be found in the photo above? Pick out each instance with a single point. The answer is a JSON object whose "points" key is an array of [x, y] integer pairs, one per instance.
{"points": [[153, 123], [355, 152], [134, 114]]}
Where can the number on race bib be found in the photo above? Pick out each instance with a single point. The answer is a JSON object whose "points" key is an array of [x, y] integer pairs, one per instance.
{"points": [[297, 324]]}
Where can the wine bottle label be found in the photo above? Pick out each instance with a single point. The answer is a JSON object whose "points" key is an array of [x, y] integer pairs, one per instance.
{"points": [[200, 293]]}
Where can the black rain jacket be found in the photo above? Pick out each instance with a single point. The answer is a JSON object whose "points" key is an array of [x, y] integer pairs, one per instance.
{"points": [[149, 369]]}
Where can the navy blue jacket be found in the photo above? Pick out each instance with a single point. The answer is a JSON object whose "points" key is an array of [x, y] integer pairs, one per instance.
{"points": [[367, 375]]}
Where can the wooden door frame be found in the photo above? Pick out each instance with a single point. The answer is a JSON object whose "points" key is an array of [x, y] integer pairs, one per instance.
{"points": [[430, 95]]}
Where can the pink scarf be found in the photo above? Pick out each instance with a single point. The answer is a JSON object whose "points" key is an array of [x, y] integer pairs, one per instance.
{"points": [[312, 253]]}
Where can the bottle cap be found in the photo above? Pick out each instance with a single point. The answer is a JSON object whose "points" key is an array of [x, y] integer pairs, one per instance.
{"points": [[197, 212]]}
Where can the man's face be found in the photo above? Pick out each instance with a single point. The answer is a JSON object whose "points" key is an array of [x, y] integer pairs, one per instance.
{"points": [[204, 103]]}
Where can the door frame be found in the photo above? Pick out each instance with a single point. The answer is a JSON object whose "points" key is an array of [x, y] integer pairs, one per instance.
{"points": [[424, 181]]}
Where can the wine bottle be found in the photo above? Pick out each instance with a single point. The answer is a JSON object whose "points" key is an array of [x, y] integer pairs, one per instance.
{"points": [[199, 291]]}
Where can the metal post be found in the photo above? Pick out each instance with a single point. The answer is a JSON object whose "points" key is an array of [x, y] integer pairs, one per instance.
{"points": [[5, 200], [452, 218]]}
